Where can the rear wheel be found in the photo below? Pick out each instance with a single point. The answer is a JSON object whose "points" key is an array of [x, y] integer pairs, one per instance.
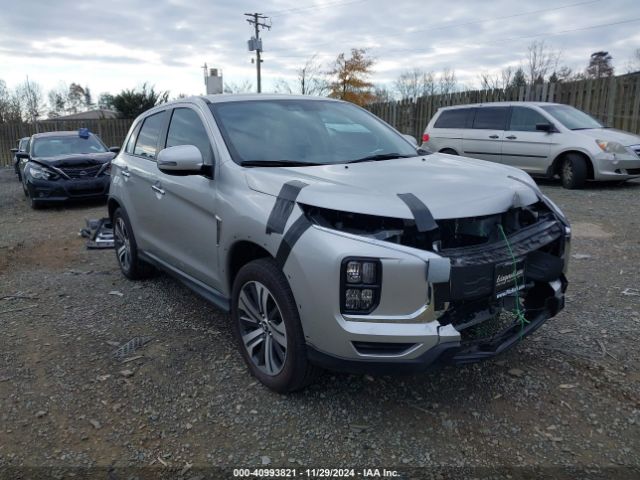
{"points": [[573, 171], [126, 248], [267, 327], [449, 151]]}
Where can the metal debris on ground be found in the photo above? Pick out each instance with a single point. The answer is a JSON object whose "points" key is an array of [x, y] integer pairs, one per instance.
{"points": [[99, 233], [131, 346]]}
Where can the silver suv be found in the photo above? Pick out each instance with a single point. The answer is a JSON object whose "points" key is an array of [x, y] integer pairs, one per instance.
{"points": [[545, 139], [333, 241]]}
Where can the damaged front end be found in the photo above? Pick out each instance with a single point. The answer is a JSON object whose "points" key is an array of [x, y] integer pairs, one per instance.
{"points": [[507, 272]]}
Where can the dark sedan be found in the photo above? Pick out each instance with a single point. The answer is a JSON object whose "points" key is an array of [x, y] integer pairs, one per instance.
{"points": [[63, 166]]}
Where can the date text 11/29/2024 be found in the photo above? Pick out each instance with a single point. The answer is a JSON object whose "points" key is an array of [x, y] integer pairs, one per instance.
{"points": [[315, 473]]}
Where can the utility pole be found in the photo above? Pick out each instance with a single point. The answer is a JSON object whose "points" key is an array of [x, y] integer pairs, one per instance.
{"points": [[255, 43]]}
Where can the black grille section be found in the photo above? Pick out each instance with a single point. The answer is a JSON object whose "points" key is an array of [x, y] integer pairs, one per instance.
{"points": [[522, 242], [379, 348], [633, 171], [82, 171]]}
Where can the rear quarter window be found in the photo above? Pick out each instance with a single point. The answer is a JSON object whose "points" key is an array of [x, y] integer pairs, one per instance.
{"points": [[455, 118]]}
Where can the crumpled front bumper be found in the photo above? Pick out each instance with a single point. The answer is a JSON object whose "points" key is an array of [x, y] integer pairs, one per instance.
{"points": [[61, 190], [456, 352]]}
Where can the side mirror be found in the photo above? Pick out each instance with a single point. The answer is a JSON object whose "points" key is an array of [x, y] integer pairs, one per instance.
{"points": [[114, 149], [545, 127], [411, 139], [22, 155], [180, 160]]}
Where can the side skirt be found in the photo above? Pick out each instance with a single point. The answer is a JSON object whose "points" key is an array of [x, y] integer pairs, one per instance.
{"points": [[205, 291]]}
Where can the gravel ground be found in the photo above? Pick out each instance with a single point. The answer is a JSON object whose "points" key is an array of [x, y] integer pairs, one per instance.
{"points": [[566, 398]]}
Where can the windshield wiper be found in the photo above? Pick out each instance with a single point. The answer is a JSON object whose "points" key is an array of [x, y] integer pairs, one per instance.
{"points": [[277, 163], [380, 156]]}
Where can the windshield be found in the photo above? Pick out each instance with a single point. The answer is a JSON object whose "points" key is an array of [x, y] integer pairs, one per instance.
{"points": [[305, 132], [67, 145], [572, 118]]}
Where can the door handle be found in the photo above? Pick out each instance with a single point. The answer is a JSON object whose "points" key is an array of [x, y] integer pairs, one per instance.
{"points": [[157, 189], [512, 137], [494, 136], [125, 173]]}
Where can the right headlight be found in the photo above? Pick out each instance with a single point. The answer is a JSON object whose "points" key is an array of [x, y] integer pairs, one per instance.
{"points": [[612, 147]]}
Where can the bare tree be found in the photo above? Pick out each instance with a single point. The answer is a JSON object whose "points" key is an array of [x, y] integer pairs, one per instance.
{"points": [[447, 81], [541, 60], [634, 64], [500, 80], [32, 99], [414, 83], [282, 86], [10, 108], [245, 87], [382, 94], [312, 78]]}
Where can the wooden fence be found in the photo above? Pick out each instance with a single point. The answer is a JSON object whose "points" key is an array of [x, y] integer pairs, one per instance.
{"points": [[614, 101], [111, 130]]}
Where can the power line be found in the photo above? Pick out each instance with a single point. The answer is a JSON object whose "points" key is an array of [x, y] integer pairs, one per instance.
{"points": [[502, 40], [280, 13], [255, 43], [545, 34], [473, 22]]}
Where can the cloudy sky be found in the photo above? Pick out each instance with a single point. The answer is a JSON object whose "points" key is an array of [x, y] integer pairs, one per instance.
{"points": [[116, 44]]}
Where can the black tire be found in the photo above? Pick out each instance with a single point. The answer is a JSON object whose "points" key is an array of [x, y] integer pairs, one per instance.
{"points": [[449, 151], [130, 264], [296, 372], [33, 204], [573, 171]]}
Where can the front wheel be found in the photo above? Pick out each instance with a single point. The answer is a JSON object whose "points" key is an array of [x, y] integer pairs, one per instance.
{"points": [[573, 171], [267, 327]]}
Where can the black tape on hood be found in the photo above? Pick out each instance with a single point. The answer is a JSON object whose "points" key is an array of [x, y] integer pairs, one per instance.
{"points": [[284, 206], [421, 214]]}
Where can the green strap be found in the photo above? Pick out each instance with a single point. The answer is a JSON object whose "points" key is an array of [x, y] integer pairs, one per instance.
{"points": [[518, 312]]}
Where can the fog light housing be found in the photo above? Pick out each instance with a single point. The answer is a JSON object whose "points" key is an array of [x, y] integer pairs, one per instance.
{"points": [[360, 284]]}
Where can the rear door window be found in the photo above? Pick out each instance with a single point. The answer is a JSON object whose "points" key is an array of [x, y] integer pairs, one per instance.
{"points": [[147, 142], [490, 118], [186, 128], [525, 119], [455, 118]]}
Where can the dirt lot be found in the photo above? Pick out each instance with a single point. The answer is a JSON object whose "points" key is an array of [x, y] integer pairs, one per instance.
{"points": [[566, 397]]}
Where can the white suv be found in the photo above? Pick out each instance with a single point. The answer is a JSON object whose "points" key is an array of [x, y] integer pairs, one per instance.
{"points": [[545, 139]]}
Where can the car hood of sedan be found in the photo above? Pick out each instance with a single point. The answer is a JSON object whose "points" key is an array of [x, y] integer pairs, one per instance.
{"points": [[450, 186], [611, 135], [62, 161]]}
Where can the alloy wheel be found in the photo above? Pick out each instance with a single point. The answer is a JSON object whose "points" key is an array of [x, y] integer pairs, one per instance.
{"points": [[122, 244], [262, 328], [567, 171]]}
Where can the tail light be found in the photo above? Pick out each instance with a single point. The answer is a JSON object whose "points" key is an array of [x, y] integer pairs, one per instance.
{"points": [[425, 137]]}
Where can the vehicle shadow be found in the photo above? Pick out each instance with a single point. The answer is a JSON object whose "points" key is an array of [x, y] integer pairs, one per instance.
{"points": [[591, 186]]}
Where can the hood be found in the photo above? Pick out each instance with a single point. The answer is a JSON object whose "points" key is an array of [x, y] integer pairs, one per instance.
{"points": [[62, 161], [450, 186], [611, 135]]}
